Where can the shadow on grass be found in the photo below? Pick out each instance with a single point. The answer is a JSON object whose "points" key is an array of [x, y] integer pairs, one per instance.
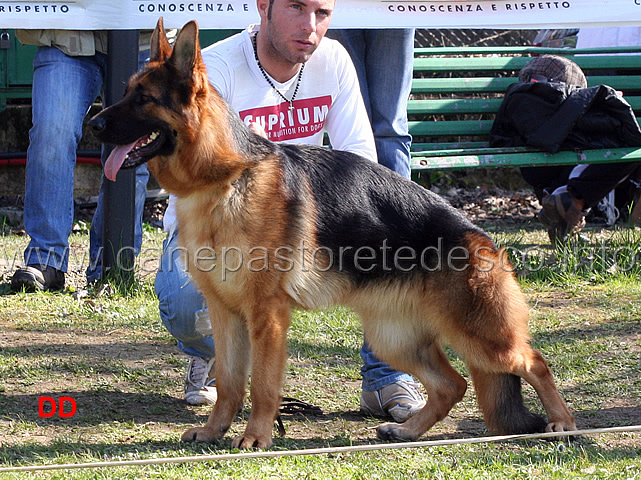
{"points": [[588, 332], [85, 350], [333, 353], [98, 407], [609, 417]]}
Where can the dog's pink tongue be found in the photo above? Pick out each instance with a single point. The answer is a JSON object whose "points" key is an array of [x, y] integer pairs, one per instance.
{"points": [[116, 159]]}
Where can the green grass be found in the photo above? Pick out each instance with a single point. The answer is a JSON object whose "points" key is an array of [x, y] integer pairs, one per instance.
{"points": [[596, 256], [109, 351], [511, 461]]}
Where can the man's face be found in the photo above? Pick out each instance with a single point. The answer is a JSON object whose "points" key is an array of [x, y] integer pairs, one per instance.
{"points": [[293, 29]]}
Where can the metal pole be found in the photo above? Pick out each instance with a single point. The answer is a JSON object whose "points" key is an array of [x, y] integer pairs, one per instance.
{"points": [[119, 196]]}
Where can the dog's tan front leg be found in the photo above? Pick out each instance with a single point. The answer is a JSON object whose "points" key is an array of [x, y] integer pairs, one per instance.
{"points": [[268, 336], [232, 364]]}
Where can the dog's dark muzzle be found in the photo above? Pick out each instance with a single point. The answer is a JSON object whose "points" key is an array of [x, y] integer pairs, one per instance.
{"points": [[98, 125]]}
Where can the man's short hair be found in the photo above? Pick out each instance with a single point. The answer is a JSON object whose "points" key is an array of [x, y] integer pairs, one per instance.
{"points": [[552, 68]]}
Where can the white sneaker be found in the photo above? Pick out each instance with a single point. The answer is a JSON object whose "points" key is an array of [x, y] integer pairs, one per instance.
{"points": [[399, 400], [200, 383]]}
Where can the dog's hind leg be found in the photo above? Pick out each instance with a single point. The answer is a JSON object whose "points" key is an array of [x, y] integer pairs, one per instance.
{"points": [[536, 372], [500, 399], [501, 402], [232, 365], [268, 336], [494, 341], [498, 354], [444, 385]]}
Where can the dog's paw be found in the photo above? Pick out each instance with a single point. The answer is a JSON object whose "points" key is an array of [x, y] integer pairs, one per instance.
{"points": [[200, 434], [562, 426], [248, 441], [395, 432]]}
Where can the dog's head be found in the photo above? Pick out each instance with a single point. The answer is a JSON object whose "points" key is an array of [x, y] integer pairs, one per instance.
{"points": [[158, 117]]}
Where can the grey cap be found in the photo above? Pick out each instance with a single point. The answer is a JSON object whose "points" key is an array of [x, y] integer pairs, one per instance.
{"points": [[554, 68]]}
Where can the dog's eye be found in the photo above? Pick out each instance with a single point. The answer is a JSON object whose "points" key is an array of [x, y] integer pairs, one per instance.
{"points": [[141, 98]]}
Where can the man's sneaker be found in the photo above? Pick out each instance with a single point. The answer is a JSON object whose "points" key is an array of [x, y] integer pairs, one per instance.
{"points": [[34, 278], [562, 217], [200, 383], [399, 400]]}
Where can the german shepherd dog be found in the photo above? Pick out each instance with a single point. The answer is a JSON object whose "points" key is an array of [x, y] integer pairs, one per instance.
{"points": [[308, 227]]}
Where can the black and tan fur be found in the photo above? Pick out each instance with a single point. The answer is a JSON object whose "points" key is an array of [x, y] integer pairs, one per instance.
{"points": [[242, 195]]}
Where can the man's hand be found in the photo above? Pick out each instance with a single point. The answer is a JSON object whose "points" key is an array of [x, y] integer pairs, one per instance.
{"points": [[257, 129]]}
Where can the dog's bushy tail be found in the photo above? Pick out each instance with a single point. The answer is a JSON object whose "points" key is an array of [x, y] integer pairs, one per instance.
{"points": [[501, 401]]}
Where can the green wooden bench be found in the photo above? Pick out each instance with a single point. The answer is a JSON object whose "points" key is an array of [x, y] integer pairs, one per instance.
{"points": [[456, 92]]}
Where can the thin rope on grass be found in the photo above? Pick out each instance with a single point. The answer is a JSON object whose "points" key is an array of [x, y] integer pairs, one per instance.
{"points": [[321, 451]]}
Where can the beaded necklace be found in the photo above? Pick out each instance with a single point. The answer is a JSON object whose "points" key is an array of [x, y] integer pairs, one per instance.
{"points": [[271, 84]]}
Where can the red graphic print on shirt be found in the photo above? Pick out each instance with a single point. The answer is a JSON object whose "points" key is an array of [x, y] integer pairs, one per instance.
{"points": [[282, 123]]}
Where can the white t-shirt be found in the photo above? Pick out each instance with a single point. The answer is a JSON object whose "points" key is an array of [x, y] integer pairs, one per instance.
{"points": [[328, 98]]}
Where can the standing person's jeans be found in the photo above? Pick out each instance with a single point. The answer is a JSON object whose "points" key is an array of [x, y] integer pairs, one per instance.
{"points": [[64, 88], [384, 60]]}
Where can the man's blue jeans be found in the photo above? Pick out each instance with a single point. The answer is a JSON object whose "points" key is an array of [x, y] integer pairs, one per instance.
{"points": [[384, 60], [64, 88]]}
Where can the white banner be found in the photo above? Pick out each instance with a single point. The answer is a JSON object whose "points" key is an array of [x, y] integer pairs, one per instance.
{"points": [[142, 14]]}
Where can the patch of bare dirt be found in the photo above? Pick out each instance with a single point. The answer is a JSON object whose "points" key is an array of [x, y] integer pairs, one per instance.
{"points": [[166, 413], [482, 205]]}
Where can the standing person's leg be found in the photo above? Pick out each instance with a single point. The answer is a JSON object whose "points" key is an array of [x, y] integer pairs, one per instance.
{"points": [[64, 88], [94, 269], [384, 60], [389, 61]]}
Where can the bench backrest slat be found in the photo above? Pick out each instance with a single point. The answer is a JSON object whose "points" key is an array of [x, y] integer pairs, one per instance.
{"points": [[500, 84], [517, 159], [450, 106], [453, 127], [475, 64]]}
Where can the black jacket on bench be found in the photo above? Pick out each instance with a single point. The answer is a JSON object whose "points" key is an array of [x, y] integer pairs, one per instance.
{"points": [[555, 116]]}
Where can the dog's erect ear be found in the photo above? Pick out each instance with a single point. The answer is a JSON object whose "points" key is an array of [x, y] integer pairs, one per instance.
{"points": [[187, 49], [160, 49]]}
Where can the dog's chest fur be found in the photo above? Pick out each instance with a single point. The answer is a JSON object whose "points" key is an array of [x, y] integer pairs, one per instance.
{"points": [[241, 243]]}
